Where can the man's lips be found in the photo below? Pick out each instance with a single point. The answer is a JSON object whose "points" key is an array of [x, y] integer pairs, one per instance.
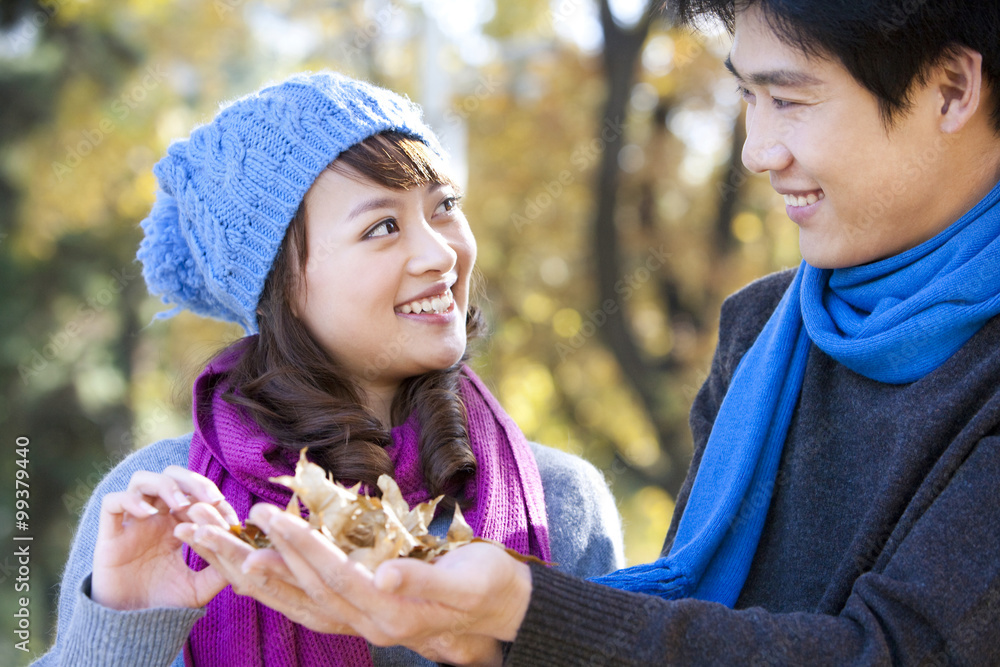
{"points": [[801, 198]]}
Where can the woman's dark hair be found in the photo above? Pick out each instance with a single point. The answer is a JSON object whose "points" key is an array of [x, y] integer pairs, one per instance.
{"points": [[301, 397], [886, 45]]}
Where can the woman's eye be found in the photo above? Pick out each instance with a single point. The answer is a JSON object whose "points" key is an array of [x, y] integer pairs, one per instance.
{"points": [[449, 204], [384, 228]]}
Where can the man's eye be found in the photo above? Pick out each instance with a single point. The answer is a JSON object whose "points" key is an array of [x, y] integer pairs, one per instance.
{"points": [[745, 94], [384, 228]]}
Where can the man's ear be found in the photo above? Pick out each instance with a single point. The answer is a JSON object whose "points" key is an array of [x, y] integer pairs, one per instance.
{"points": [[958, 82]]}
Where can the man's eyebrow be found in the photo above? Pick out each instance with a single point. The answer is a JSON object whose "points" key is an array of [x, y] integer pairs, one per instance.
{"points": [[778, 77]]}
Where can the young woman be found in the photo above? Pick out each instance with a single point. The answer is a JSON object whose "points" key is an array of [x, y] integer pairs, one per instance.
{"points": [[318, 214]]}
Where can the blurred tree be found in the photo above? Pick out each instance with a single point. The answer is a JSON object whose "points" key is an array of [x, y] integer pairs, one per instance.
{"points": [[649, 375]]}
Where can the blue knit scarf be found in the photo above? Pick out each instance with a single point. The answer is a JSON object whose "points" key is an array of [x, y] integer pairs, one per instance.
{"points": [[893, 321]]}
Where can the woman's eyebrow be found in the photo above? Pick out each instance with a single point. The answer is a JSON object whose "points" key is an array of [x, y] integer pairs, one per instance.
{"points": [[370, 205], [777, 77]]}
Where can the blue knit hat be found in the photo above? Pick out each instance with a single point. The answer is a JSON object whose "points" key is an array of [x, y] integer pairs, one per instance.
{"points": [[227, 194]]}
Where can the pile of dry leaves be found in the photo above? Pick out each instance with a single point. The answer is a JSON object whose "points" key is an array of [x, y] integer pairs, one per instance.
{"points": [[368, 530]]}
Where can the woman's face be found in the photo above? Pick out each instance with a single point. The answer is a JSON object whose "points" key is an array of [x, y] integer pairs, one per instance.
{"points": [[386, 285]]}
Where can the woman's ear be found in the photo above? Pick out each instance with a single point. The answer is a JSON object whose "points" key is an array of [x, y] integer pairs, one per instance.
{"points": [[958, 82]]}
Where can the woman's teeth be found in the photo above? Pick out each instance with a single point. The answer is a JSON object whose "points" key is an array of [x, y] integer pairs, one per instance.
{"points": [[798, 200], [437, 304]]}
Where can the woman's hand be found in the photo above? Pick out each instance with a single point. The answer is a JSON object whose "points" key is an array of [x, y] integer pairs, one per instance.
{"points": [[453, 611], [257, 573], [138, 563]]}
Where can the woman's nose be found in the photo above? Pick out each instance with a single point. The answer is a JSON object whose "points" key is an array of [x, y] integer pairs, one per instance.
{"points": [[431, 251]]}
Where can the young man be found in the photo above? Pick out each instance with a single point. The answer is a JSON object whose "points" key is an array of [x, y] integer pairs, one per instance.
{"points": [[841, 506]]}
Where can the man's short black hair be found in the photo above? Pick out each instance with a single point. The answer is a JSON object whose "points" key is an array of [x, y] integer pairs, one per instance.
{"points": [[886, 45]]}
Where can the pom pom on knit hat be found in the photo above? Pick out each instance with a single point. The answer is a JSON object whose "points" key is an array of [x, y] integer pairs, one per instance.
{"points": [[227, 194]]}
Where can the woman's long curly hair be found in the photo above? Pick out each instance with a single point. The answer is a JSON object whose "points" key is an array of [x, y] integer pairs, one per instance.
{"points": [[301, 397]]}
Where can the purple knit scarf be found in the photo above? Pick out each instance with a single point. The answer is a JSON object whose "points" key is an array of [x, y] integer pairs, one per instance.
{"points": [[507, 505]]}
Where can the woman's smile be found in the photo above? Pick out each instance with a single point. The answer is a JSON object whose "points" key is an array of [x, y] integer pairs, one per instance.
{"points": [[434, 303]]}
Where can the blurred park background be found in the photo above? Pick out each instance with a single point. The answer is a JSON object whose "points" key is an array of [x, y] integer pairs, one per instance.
{"points": [[599, 146]]}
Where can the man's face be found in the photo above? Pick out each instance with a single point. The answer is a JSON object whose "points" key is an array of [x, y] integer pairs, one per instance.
{"points": [[858, 192]]}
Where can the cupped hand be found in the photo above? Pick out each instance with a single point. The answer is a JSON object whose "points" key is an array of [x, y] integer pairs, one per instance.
{"points": [[258, 573], [455, 610], [138, 562]]}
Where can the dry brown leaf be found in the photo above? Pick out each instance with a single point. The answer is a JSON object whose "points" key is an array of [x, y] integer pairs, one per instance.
{"points": [[369, 530], [251, 534]]}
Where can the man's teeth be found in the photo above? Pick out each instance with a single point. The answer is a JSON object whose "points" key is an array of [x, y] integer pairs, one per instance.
{"points": [[798, 200], [437, 304]]}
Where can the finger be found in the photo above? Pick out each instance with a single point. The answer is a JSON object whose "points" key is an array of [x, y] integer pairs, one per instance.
{"points": [[223, 544], [312, 558], [210, 542], [277, 587], [261, 514], [205, 514], [269, 586], [203, 489], [155, 485], [488, 590], [442, 582], [185, 532], [268, 562], [127, 502], [207, 584], [319, 567], [263, 563]]}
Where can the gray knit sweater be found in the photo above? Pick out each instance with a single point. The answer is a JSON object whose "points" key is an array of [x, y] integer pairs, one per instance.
{"points": [[882, 540], [584, 532]]}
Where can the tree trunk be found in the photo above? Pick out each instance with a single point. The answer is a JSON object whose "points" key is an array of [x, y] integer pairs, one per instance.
{"points": [[621, 54]]}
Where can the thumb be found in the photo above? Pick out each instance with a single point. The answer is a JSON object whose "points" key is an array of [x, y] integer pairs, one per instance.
{"points": [[488, 589], [451, 579], [409, 577], [207, 584]]}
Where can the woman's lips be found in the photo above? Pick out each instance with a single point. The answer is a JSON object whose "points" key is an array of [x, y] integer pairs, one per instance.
{"points": [[439, 304]]}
